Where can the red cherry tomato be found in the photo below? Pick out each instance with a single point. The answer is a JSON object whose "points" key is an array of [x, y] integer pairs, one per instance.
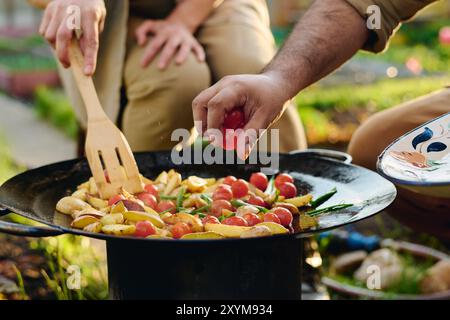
{"points": [[218, 205], [288, 190], [152, 189], [223, 192], [239, 188], [256, 201], [229, 180], [144, 229], [166, 205], [271, 217], [284, 215], [148, 199], [210, 219], [180, 229], [251, 219], [282, 178], [235, 221], [234, 119], [115, 199], [259, 180]]}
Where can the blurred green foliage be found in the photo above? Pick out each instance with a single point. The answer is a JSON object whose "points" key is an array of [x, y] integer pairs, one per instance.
{"points": [[54, 106], [24, 62]]}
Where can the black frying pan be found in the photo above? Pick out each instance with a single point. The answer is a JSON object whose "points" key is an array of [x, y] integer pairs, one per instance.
{"points": [[34, 194]]}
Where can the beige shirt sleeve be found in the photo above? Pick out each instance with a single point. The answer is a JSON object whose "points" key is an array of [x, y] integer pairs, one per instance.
{"points": [[393, 12]]}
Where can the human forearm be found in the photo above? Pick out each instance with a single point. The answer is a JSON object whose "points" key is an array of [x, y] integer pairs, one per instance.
{"points": [[327, 35], [192, 13]]}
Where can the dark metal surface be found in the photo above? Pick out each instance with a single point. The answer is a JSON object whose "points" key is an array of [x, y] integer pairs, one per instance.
{"points": [[256, 269], [34, 193]]}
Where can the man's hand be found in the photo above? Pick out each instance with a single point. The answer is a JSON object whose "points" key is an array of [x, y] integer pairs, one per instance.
{"points": [[262, 97], [55, 27], [172, 39]]}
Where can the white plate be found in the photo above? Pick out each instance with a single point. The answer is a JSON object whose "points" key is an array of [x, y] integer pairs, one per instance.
{"points": [[420, 159]]}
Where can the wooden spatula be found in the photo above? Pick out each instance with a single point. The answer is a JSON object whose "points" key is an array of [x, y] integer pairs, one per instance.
{"points": [[109, 155]]}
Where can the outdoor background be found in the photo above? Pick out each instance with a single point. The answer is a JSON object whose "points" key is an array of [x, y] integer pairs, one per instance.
{"points": [[37, 126]]}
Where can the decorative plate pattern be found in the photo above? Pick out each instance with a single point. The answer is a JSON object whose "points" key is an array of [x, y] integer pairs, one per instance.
{"points": [[420, 157]]}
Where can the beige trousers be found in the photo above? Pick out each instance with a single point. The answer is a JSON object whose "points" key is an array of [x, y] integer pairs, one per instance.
{"points": [[237, 40], [422, 213]]}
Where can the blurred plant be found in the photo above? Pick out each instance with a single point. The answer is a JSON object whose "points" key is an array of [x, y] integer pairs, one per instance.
{"points": [[53, 105], [7, 167]]}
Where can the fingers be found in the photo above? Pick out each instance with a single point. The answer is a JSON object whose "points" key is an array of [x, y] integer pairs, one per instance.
{"points": [[57, 16], [64, 36], [168, 52], [152, 49], [199, 107], [142, 31], [199, 51], [224, 101], [183, 53], [89, 44], [48, 14]]}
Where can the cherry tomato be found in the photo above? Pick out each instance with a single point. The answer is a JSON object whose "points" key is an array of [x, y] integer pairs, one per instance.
{"points": [[259, 180], [234, 119], [229, 180], [235, 221], [282, 178], [180, 229], [115, 199], [271, 217], [210, 219], [223, 193], [152, 189], [251, 219], [256, 201], [288, 190], [144, 229], [218, 205], [148, 199], [284, 215], [166, 205], [239, 188]]}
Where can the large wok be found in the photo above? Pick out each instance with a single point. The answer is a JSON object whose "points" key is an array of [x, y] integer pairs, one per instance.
{"points": [[230, 268]]}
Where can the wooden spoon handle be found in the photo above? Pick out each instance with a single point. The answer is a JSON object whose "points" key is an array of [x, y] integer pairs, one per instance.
{"points": [[85, 84]]}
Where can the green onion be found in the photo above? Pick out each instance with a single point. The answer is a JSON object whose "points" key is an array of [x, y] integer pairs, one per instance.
{"points": [[206, 198], [180, 197], [337, 207], [270, 186], [240, 203], [223, 217], [323, 198], [163, 197], [201, 209], [165, 211], [277, 195]]}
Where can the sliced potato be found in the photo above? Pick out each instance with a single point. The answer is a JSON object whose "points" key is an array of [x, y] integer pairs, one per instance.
{"points": [[163, 233], [113, 218], [69, 205], [226, 230], [146, 180], [80, 194], [83, 221], [95, 227], [174, 181], [119, 207], [97, 203], [162, 178], [195, 184], [210, 181], [257, 231], [141, 216], [299, 201], [84, 185], [92, 186], [157, 236], [119, 229], [194, 222], [88, 212], [275, 228], [202, 235]]}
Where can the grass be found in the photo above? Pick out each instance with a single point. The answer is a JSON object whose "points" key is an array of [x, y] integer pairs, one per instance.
{"points": [[7, 166]]}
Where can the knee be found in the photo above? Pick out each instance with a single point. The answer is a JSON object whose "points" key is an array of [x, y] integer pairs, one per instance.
{"points": [[177, 82]]}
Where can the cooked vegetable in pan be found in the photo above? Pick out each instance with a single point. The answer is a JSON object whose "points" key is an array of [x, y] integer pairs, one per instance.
{"points": [[198, 208]]}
